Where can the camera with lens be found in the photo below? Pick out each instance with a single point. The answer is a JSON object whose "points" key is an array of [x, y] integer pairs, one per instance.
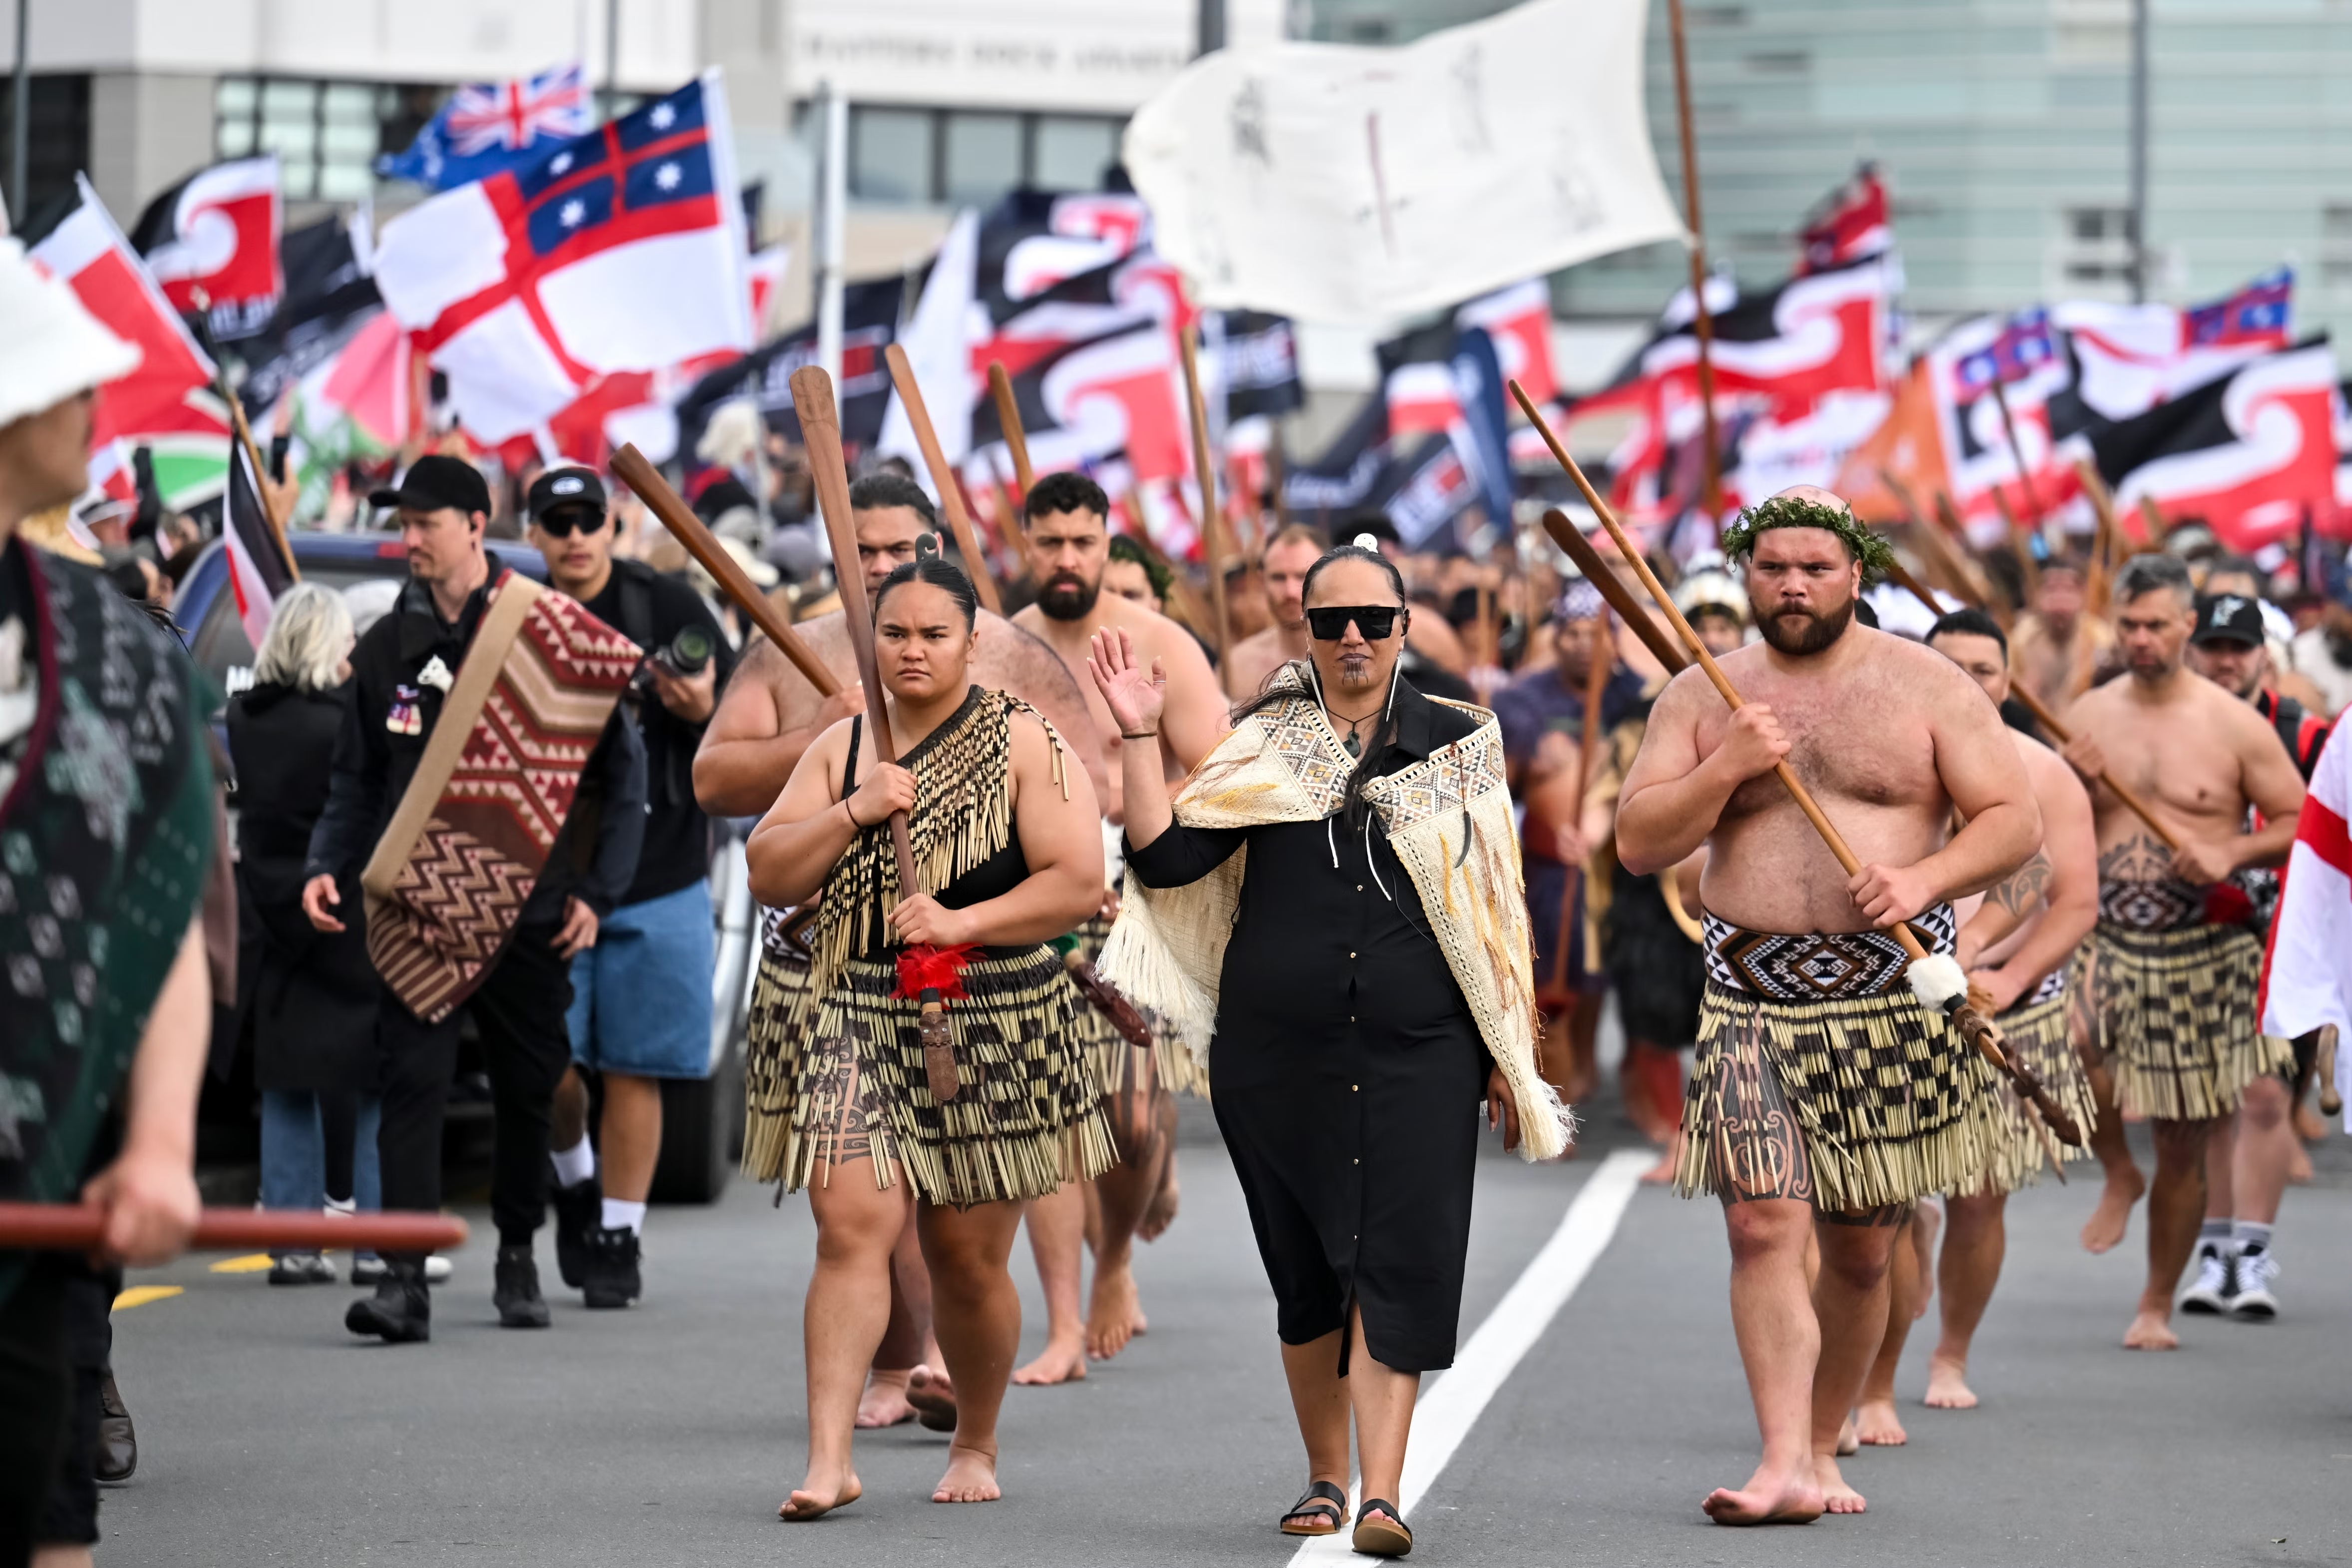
{"points": [[688, 656]]}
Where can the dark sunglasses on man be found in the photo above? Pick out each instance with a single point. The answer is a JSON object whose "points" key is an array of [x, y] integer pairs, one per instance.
{"points": [[1374, 620], [559, 523]]}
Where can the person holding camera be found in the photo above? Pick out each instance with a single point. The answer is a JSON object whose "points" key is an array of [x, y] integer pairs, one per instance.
{"points": [[641, 996]]}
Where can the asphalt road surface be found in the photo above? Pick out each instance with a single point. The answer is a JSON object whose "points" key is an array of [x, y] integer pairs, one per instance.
{"points": [[669, 1433]]}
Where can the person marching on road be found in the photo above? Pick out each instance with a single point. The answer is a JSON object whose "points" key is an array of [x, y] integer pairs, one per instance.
{"points": [[396, 802], [1365, 971], [1289, 555], [885, 1118], [2176, 968], [1066, 519], [641, 995], [1791, 1118]]}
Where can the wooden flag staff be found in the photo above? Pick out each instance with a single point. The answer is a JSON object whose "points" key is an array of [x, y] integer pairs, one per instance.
{"points": [[943, 479], [79, 1227], [1212, 535], [1965, 1019]]}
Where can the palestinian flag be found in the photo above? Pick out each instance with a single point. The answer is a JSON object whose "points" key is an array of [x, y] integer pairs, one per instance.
{"points": [[257, 572]]}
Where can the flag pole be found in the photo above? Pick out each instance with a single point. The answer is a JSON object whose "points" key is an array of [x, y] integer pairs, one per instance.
{"points": [[1211, 533], [1702, 321], [244, 437]]}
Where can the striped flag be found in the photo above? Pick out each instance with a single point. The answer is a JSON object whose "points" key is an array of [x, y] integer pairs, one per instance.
{"points": [[2311, 936], [258, 573]]}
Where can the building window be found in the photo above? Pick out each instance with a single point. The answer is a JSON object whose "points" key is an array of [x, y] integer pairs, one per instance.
{"points": [[2097, 245], [327, 134], [2335, 245], [929, 157], [57, 146]]}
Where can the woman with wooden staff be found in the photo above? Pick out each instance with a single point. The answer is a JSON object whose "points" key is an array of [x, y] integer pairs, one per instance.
{"points": [[886, 1113], [1828, 1095]]}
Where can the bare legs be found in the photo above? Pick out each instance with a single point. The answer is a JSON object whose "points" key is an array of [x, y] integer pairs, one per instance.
{"points": [[1379, 1397], [2265, 1152], [630, 1145], [1123, 1194], [979, 1324], [1058, 1238], [2175, 1206], [1849, 1306], [857, 1227], [1135, 1197], [1876, 1425], [1780, 1346], [2123, 1185], [907, 1346], [1974, 1243]]}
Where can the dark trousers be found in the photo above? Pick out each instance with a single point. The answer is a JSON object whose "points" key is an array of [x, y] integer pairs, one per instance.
{"points": [[36, 1385], [519, 1010]]}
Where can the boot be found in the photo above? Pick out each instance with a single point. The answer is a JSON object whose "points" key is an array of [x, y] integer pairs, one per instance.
{"points": [[614, 1277], [401, 1311], [516, 1291], [578, 1211], [118, 1442]]}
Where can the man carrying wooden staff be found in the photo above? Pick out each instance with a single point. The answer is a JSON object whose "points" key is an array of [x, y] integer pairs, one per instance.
{"points": [[2176, 966], [1826, 1098]]}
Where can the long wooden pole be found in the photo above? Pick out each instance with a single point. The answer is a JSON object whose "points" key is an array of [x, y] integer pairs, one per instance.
{"points": [[1212, 535], [1971, 1024], [2049, 721], [678, 517], [2098, 585], [1702, 319], [943, 478], [79, 1227], [1597, 571], [1008, 421]]}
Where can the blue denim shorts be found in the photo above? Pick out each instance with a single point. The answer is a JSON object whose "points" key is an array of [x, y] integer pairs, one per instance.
{"points": [[641, 997]]}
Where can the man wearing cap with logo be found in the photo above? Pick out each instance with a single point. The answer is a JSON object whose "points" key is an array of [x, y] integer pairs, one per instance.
{"points": [[488, 866], [2251, 1155], [641, 996]]}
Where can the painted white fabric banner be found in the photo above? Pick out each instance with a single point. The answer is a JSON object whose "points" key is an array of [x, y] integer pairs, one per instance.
{"points": [[1336, 183]]}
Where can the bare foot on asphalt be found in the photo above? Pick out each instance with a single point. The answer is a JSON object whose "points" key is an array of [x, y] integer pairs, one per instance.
{"points": [[933, 1397], [1060, 1362], [1948, 1385], [884, 1403], [1876, 1426], [1836, 1496], [971, 1477], [1114, 1316], [2105, 1227], [1848, 1443], [817, 1496], [1766, 1499], [2150, 1331]]}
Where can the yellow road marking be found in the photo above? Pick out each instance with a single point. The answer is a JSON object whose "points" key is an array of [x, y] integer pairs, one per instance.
{"points": [[140, 1295], [251, 1263]]}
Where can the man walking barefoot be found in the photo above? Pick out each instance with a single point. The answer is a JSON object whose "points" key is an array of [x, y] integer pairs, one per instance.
{"points": [[2175, 973], [1793, 1120]]}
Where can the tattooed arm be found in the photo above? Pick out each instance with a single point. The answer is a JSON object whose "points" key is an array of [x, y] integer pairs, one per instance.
{"points": [[2061, 877], [2006, 904]]}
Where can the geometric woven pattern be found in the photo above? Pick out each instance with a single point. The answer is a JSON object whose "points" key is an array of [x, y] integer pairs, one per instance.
{"points": [[2150, 905], [1817, 966], [2175, 1018], [496, 815], [2035, 1033]]}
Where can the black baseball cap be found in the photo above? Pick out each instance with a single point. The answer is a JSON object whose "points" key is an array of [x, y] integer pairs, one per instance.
{"points": [[2229, 618], [567, 487], [434, 481]]}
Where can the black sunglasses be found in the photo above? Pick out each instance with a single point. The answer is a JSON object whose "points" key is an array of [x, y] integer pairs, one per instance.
{"points": [[1374, 620], [559, 523]]}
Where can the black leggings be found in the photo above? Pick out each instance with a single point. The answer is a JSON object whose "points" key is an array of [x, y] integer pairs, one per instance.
{"points": [[339, 1129]]}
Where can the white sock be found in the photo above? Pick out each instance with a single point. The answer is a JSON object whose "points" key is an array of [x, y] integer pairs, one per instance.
{"points": [[620, 1214], [2251, 1236], [574, 1165]]}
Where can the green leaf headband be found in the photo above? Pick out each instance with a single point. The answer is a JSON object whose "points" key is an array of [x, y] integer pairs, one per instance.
{"points": [[1794, 512]]}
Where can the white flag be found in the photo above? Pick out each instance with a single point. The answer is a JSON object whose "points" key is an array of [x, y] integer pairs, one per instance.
{"points": [[938, 339], [1337, 183]]}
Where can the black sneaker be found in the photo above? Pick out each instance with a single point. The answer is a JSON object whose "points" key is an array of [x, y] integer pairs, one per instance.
{"points": [[516, 1292], [401, 1311], [612, 1279], [579, 1211]]}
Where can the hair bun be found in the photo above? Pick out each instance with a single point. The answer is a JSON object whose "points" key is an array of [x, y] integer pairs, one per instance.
{"points": [[1366, 542]]}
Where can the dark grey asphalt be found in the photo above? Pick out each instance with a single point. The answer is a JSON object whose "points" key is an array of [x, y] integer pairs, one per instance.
{"points": [[669, 1433]]}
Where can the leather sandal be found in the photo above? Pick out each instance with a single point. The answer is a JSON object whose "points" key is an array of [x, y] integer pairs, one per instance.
{"points": [[1324, 1505], [1380, 1531]]}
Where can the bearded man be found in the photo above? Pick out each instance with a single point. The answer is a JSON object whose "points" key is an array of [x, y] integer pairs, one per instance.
{"points": [[1825, 1097]]}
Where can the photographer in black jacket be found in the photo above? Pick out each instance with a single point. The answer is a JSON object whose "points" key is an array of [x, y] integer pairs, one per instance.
{"points": [[401, 673]]}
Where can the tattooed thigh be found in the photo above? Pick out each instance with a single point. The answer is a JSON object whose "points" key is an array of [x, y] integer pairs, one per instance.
{"points": [[1756, 1150], [845, 1105]]}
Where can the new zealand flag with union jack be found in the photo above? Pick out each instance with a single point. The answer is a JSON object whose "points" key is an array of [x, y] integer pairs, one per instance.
{"points": [[487, 127]]}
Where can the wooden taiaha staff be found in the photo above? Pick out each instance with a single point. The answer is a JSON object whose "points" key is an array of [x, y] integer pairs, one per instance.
{"points": [[79, 1227], [1597, 571], [1213, 540], [678, 517], [1702, 319], [2048, 720], [943, 478], [1957, 569], [1971, 1026], [2099, 585], [1008, 421], [820, 433]]}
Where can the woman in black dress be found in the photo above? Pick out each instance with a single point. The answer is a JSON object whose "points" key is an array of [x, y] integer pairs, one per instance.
{"points": [[1355, 1035]]}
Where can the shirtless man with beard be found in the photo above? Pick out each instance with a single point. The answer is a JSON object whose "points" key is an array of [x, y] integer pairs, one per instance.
{"points": [[768, 715], [2176, 967], [1791, 1120], [1066, 535], [1253, 658]]}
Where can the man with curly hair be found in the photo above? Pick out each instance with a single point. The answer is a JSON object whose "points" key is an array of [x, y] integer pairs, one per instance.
{"points": [[1825, 1097]]}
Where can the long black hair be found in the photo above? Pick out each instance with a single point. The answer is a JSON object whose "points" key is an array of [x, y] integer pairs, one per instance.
{"points": [[1351, 801], [929, 567]]}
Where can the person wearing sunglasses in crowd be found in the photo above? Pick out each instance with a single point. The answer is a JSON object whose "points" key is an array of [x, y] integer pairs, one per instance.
{"points": [[1365, 972], [641, 994]]}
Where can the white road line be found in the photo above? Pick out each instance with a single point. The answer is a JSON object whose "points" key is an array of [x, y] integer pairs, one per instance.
{"points": [[1452, 1405]]}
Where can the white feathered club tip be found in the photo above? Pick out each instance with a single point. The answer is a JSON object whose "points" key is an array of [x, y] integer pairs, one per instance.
{"points": [[1939, 981]]}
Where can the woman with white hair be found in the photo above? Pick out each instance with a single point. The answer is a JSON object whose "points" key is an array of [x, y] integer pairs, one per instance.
{"points": [[307, 999]]}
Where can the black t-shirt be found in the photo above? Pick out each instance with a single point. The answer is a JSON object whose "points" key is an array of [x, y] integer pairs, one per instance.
{"points": [[650, 610]]}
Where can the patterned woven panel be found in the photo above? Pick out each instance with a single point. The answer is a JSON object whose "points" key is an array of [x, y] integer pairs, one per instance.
{"points": [[2175, 1011], [2150, 905], [1817, 966], [517, 778]]}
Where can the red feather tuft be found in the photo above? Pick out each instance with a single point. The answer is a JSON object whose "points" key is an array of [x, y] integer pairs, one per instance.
{"points": [[925, 968]]}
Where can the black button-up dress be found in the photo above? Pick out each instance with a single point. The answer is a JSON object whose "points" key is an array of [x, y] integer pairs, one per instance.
{"points": [[1347, 1073]]}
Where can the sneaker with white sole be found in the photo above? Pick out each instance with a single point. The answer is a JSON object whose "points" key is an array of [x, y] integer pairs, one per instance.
{"points": [[367, 1269], [2257, 1272], [2216, 1284]]}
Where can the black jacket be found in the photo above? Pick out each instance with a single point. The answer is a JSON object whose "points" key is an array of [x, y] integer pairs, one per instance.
{"points": [[373, 764], [307, 998], [650, 610]]}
